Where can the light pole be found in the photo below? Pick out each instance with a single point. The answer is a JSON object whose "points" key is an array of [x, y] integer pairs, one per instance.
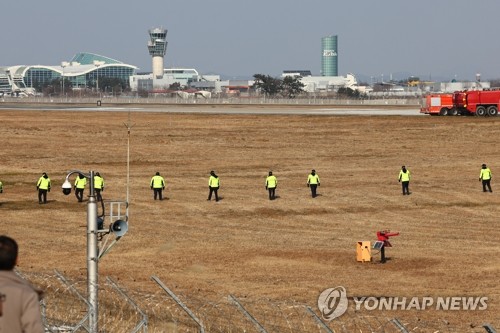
{"points": [[92, 249], [118, 228], [98, 63], [63, 65]]}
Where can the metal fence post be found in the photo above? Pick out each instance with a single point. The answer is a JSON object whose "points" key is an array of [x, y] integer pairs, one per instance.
{"points": [[178, 301], [144, 321], [247, 314], [318, 320], [400, 326]]}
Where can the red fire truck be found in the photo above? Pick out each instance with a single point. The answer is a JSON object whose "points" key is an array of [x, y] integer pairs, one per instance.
{"points": [[477, 102], [438, 104]]}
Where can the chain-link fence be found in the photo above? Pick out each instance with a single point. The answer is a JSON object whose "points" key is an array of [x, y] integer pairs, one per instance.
{"points": [[257, 101], [64, 309]]}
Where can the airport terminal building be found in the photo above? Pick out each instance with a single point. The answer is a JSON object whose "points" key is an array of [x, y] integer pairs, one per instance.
{"points": [[83, 71], [185, 77]]}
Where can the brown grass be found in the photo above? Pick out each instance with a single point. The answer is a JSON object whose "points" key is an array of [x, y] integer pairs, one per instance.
{"points": [[288, 249]]}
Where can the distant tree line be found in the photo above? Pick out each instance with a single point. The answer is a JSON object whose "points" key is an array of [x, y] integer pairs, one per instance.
{"points": [[348, 92], [289, 86]]}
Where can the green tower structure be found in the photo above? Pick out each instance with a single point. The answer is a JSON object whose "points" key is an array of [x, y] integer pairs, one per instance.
{"points": [[329, 56]]}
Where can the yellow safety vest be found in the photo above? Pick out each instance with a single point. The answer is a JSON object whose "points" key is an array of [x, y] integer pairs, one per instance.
{"points": [[43, 183], [313, 179], [98, 182], [213, 181], [485, 174], [80, 182], [271, 181], [404, 176], [157, 182]]}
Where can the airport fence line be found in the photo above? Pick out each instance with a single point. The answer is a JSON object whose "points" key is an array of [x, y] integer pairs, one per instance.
{"points": [[102, 101], [120, 309]]}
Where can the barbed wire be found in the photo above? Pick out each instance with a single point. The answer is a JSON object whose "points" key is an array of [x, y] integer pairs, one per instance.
{"points": [[64, 309]]}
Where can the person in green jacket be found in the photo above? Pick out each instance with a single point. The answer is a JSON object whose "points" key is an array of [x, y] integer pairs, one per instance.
{"points": [[404, 179], [79, 187], [313, 182], [213, 186], [43, 186], [485, 177], [271, 184], [98, 186], [157, 184]]}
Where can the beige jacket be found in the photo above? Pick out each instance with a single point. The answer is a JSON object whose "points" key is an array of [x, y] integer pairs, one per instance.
{"points": [[20, 307]]}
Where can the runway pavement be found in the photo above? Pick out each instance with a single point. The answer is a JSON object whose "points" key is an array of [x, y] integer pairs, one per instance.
{"points": [[228, 109]]}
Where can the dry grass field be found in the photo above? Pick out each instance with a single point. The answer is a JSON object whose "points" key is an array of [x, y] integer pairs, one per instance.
{"points": [[289, 249]]}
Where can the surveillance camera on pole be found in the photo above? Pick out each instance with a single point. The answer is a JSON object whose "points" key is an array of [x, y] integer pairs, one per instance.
{"points": [[66, 187]]}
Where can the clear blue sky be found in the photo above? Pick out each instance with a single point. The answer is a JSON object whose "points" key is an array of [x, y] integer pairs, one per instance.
{"points": [[429, 38]]}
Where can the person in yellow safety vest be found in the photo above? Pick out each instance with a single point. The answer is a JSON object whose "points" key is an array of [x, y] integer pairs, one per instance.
{"points": [[271, 184], [98, 186], [213, 186], [43, 186], [485, 176], [80, 183], [313, 182], [157, 184], [404, 179]]}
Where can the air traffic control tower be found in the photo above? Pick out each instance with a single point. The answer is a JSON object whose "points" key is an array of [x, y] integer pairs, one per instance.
{"points": [[157, 46]]}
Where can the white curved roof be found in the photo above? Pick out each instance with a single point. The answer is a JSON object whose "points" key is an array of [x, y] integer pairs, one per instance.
{"points": [[71, 70]]}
